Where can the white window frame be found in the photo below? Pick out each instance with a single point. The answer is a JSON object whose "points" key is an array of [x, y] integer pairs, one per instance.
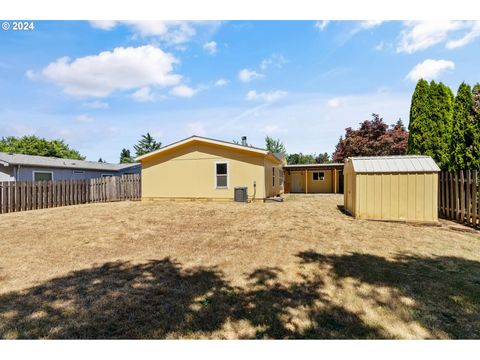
{"points": [[273, 176], [41, 172], [215, 175], [280, 177], [318, 172]]}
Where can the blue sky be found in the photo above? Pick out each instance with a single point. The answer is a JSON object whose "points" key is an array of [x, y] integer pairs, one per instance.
{"points": [[100, 85]]}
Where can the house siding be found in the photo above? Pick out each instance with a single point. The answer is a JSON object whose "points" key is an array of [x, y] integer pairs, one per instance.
{"points": [[25, 173], [330, 184], [270, 188], [188, 171], [6, 173]]}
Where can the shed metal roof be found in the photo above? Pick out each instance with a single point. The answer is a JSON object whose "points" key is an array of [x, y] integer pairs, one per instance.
{"points": [[7, 159], [394, 164]]}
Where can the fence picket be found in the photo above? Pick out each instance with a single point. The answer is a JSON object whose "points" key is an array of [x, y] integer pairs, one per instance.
{"points": [[31, 195], [459, 196], [475, 214]]}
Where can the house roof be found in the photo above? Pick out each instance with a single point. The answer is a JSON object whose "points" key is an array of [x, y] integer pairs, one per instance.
{"points": [[394, 164], [7, 159], [302, 167], [210, 141]]}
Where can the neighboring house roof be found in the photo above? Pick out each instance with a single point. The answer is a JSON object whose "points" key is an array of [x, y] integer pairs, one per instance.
{"points": [[7, 159], [193, 138], [394, 164], [314, 166]]}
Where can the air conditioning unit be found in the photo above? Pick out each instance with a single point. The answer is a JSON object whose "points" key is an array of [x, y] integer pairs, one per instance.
{"points": [[241, 194]]}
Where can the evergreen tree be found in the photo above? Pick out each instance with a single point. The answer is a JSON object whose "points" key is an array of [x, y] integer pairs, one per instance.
{"points": [[323, 159], [438, 133], [125, 157], [300, 158], [462, 136], [419, 123], [274, 145], [474, 129], [146, 144]]}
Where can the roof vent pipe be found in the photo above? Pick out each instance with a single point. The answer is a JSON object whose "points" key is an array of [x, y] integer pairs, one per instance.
{"points": [[244, 140]]}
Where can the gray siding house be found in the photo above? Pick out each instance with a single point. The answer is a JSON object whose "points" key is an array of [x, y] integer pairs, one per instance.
{"points": [[19, 167]]}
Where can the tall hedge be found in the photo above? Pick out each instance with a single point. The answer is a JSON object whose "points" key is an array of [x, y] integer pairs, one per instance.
{"points": [[441, 116], [474, 129], [431, 118], [419, 126], [462, 136]]}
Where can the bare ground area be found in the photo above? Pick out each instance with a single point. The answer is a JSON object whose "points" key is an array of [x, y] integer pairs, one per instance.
{"points": [[298, 269]]}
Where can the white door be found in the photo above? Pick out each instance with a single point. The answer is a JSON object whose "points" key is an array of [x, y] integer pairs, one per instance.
{"points": [[296, 182]]}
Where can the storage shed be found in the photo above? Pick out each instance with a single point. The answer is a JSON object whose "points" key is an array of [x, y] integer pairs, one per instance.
{"points": [[397, 188]]}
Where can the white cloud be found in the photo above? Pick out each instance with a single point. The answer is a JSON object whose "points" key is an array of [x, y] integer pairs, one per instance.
{"points": [[97, 104], [103, 24], [120, 69], [85, 118], [211, 47], [171, 32], [430, 69], [358, 27], [183, 91], [247, 75], [420, 35], [276, 60], [471, 35], [335, 102], [221, 82], [370, 24], [266, 96], [196, 128], [32, 75], [143, 94], [322, 24]]}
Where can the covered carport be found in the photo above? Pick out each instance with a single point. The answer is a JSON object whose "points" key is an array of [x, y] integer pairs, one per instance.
{"points": [[314, 178]]}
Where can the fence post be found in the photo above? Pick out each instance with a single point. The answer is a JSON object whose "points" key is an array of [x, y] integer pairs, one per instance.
{"points": [[475, 198], [469, 196], [462, 196]]}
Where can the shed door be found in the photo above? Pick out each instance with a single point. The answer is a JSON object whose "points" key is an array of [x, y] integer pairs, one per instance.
{"points": [[296, 182]]}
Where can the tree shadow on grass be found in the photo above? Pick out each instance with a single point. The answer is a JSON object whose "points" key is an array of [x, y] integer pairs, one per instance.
{"points": [[445, 290], [118, 300], [159, 299], [272, 306]]}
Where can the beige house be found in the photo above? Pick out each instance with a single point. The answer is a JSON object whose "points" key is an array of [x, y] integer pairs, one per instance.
{"points": [[203, 168], [399, 188]]}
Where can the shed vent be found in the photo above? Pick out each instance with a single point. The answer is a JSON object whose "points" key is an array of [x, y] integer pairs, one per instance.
{"points": [[241, 194]]}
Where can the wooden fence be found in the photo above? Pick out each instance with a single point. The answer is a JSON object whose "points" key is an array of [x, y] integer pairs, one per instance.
{"points": [[30, 195], [458, 197]]}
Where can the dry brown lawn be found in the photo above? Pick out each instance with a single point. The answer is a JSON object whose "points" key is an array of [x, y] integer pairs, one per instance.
{"points": [[298, 269]]}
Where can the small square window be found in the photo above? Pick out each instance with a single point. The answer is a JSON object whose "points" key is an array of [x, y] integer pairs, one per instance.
{"points": [[221, 175], [221, 181], [222, 169], [318, 175]]}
